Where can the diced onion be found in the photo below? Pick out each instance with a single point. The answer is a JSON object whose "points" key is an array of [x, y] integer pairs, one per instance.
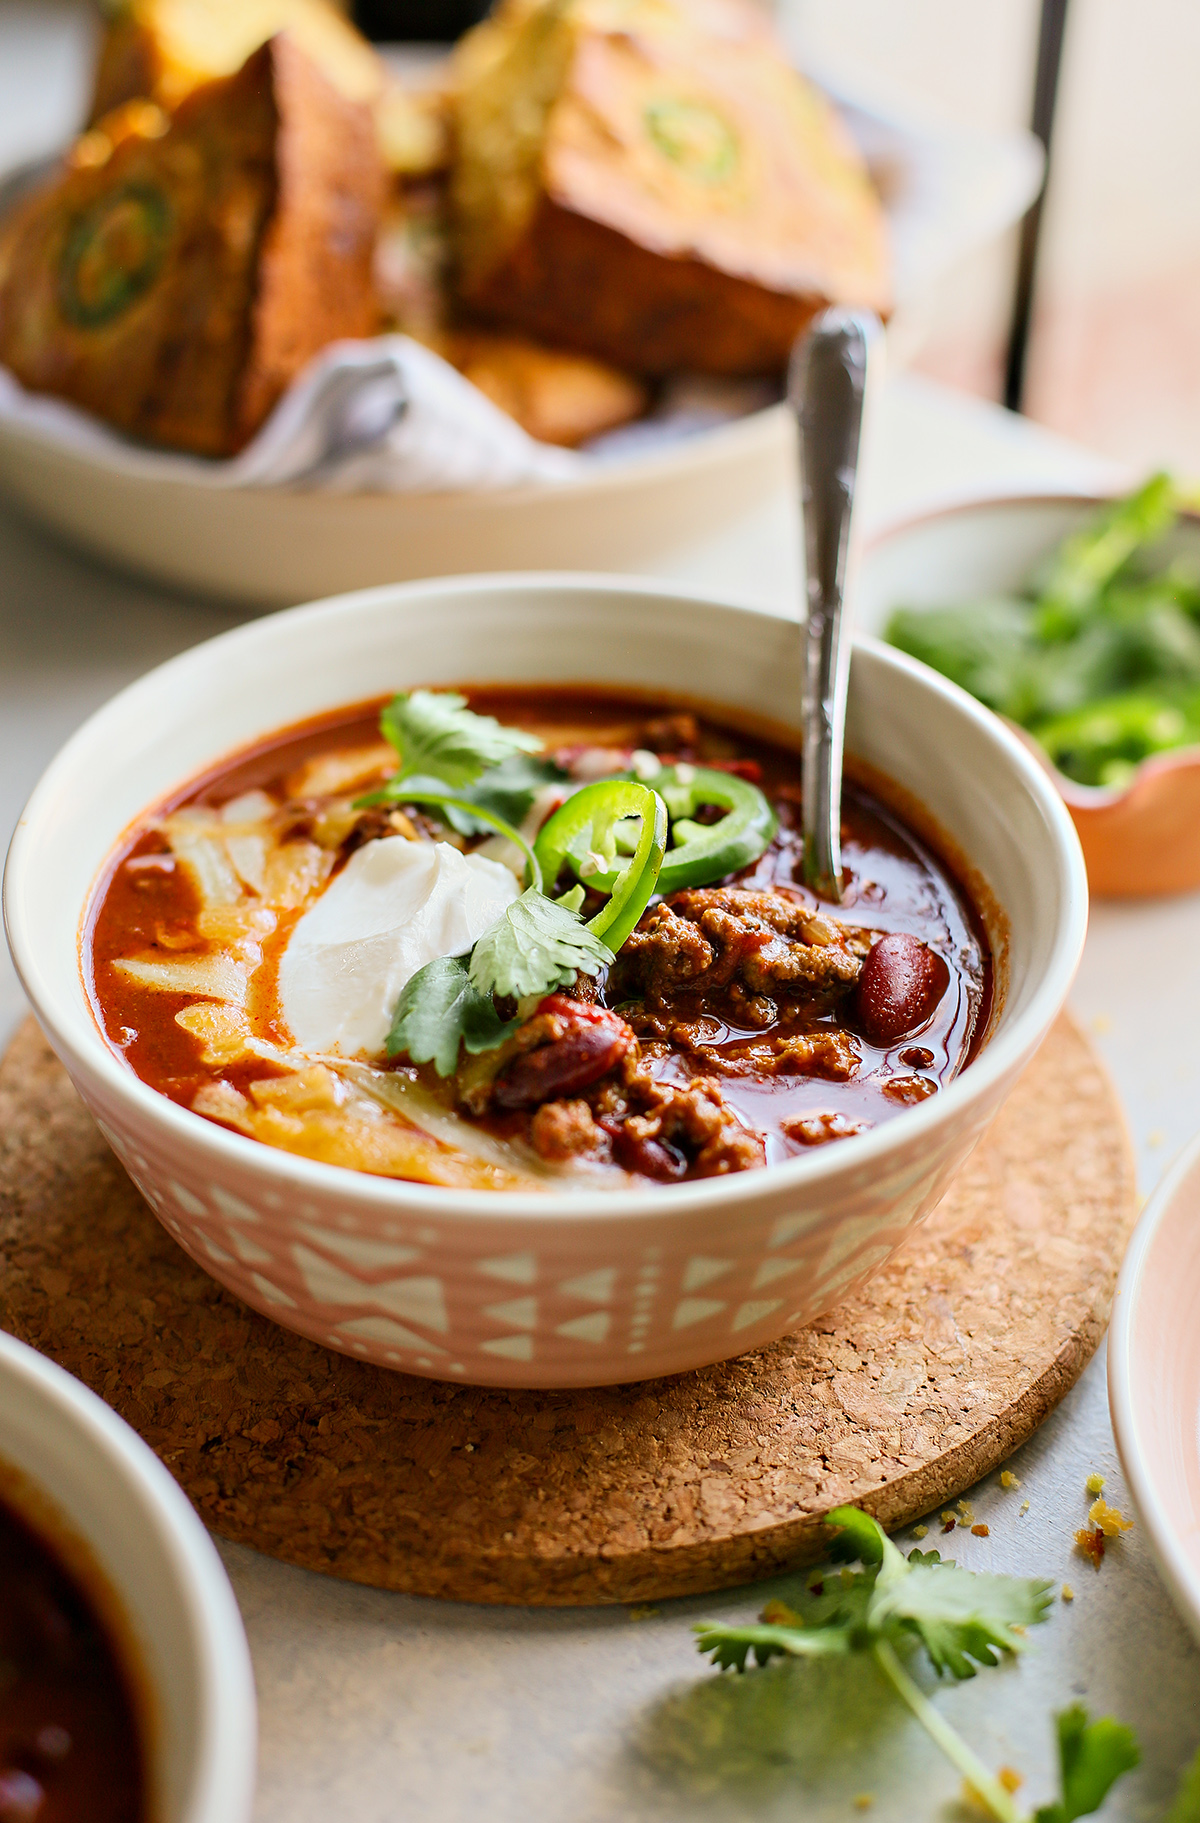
{"points": [[199, 850], [209, 977]]}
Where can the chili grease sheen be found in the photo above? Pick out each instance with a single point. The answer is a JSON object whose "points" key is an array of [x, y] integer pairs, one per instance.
{"points": [[740, 1023]]}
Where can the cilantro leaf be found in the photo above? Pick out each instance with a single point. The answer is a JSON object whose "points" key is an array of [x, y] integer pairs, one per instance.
{"points": [[861, 1538], [437, 736], [1186, 1808], [1092, 1757], [441, 1009], [957, 1615], [731, 1646], [535, 945], [507, 790]]}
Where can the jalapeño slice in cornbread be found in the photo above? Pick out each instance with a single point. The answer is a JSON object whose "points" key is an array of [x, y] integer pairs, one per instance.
{"points": [[180, 271]]}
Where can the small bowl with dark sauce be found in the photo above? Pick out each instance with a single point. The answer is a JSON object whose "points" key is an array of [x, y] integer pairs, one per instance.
{"points": [[678, 1151], [125, 1687]]}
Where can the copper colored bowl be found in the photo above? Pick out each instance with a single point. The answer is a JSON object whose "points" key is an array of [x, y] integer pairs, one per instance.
{"points": [[1138, 841]]}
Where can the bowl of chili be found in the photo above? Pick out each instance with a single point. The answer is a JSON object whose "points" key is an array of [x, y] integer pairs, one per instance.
{"points": [[128, 1695], [687, 1244]]}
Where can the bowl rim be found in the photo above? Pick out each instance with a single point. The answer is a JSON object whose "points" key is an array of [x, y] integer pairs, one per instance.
{"points": [[1180, 1571], [224, 1768], [1079, 797], [1003, 1052]]}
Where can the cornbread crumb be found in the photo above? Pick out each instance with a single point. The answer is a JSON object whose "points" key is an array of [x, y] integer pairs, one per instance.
{"points": [[778, 1614], [1008, 1479], [644, 1613], [966, 1513], [1110, 1520], [1094, 1484], [864, 1800], [979, 1531], [1010, 1779], [1155, 1137], [1091, 1544], [920, 1531], [1024, 1506], [1101, 1023], [947, 1518], [1068, 1593]]}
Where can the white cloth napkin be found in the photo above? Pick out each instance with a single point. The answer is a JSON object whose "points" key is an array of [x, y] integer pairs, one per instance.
{"points": [[384, 416]]}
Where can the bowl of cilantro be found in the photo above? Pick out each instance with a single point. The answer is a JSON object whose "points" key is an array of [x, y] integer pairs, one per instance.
{"points": [[1078, 621]]}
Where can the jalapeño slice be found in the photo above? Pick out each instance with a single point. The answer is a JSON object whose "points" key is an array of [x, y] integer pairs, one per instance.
{"points": [[585, 827], [702, 852], [114, 252]]}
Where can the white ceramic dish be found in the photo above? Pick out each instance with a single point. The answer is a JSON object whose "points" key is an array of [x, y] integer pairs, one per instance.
{"points": [[277, 545], [88, 1483], [551, 1290], [1139, 840], [1154, 1377]]}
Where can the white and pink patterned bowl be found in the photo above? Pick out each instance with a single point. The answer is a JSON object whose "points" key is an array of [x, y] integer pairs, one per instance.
{"points": [[549, 1290]]}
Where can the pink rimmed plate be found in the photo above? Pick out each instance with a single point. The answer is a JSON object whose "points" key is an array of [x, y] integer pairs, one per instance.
{"points": [[1154, 1377]]}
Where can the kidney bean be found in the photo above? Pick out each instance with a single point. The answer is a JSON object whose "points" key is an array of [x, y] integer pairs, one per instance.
{"points": [[899, 987], [655, 1158], [592, 1042]]}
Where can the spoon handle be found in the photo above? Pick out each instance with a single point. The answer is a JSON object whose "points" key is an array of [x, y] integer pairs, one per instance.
{"points": [[827, 388]]}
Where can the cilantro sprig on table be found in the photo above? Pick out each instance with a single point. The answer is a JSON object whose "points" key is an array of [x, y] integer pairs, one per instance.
{"points": [[481, 777], [962, 1620]]}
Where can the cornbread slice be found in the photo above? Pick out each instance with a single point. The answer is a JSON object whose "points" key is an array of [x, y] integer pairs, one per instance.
{"points": [[650, 182], [160, 50], [180, 272]]}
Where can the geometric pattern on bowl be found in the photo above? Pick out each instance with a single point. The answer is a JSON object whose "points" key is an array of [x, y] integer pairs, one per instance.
{"points": [[620, 1302]]}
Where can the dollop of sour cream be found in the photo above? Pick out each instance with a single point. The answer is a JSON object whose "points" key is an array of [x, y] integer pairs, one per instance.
{"points": [[395, 906]]}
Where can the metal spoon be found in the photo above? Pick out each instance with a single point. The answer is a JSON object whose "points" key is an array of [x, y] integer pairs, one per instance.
{"points": [[827, 388]]}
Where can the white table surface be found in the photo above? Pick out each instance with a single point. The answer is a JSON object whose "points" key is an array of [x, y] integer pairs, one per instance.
{"points": [[376, 1706]]}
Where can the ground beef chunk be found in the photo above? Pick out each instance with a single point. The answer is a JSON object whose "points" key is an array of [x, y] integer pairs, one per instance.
{"points": [[565, 1129], [909, 1089], [664, 953], [833, 1055], [819, 1129], [755, 945], [693, 1121]]}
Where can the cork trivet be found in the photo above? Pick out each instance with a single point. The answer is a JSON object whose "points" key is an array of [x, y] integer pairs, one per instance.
{"points": [[897, 1401]]}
